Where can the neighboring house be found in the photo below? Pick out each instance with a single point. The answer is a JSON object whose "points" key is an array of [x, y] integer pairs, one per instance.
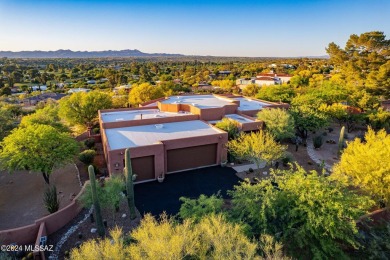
{"points": [[75, 90], [175, 133], [37, 88], [126, 87], [32, 101], [279, 78], [266, 79], [91, 81]]}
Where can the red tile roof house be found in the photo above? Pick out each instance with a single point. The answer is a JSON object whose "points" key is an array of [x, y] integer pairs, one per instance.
{"points": [[174, 134]]}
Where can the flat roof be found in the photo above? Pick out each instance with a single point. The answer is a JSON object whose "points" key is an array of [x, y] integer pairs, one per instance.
{"points": [[201, 101], [127, 115], [250, 104], [234, 117], [125, 137], [239, 118]]}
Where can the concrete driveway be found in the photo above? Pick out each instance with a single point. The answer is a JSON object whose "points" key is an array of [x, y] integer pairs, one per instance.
{"points": [[155, 197]]}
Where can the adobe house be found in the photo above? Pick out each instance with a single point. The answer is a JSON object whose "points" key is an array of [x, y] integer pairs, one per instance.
{"points": [[176, 133]]}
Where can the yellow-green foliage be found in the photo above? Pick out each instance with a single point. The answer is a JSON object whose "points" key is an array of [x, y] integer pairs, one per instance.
{"points": [[278, 122], [163, 240], [212, 238], [230, 126], [367, 165], [102, 249], [144, 92], [256, 147]]}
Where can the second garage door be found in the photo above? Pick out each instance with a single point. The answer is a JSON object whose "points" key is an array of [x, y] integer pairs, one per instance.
{"points": [[143, 167], [191, 157]]}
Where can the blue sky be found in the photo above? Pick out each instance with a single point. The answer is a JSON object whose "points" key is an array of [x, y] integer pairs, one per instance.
{"points": [[221, 28]]}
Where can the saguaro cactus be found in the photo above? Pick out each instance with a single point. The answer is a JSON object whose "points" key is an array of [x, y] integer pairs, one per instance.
{"points": [[341, 139], [98, 214], [128, 172]]}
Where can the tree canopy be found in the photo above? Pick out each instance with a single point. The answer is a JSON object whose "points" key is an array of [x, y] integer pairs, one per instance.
{"points": [[211, 238], [230, 126], [366, 165], [256, 147], [278, 122], [307, 119], [37, 148], [82, 108], [363, 63], [144, 92], [313, 216]]}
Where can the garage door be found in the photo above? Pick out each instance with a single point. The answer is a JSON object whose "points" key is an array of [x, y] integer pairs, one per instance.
{"points": [[143, 167], [191, 157]]}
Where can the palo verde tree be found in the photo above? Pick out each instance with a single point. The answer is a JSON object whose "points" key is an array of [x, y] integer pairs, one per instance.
{"points": [[256, 148], [82, 108], [278, 122], [366, 165], [308, 212], [37, 148], [230, 126], [213, 237]]}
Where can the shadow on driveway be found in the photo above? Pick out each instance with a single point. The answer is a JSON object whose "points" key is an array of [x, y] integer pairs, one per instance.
{"points": [[155, 197]]}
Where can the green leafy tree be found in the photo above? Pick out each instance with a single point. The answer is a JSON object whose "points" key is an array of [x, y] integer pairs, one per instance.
{"points": [[45, 116], [307, 119], [365, 165], [284, 93], [82, 108], [7, 123], [343, 114], [308, 212], [144, 92], [37, 148], [230, 126], [278, 122], [256, 147]]}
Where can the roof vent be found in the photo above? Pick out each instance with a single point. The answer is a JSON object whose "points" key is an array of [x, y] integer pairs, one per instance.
{"points": [[194, 104], [159, 126]]}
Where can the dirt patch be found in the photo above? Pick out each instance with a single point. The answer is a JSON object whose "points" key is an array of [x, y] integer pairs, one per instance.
{"points": [[26, 203], [301, 157], [329, 150]]}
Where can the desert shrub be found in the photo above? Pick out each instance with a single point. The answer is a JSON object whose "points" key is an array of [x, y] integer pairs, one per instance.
{"points": [[52, 203], [197, 208], [87, 156], [89, 143], [96, 130], [287, 158], [318, 141]]}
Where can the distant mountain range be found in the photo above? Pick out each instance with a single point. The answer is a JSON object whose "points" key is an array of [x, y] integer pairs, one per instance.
{"points": [[83, 54], [111, 54]]}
